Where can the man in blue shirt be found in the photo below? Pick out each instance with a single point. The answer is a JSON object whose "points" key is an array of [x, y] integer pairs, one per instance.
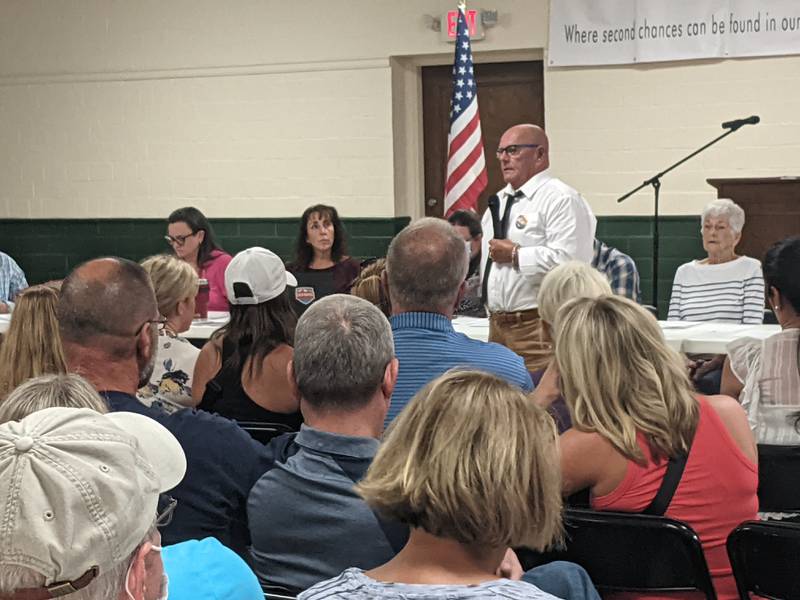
{"points": [[108, 320], [306, 521], [12, 282], [426, 265]]}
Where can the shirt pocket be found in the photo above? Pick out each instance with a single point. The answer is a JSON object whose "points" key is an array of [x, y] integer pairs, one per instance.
{"points": [[528, 229]]}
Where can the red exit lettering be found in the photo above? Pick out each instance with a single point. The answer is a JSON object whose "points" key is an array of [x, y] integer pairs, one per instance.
{"points": [[452, 22]]}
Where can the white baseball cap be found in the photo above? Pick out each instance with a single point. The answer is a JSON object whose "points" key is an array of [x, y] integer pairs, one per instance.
{"points": [[79, 491], [262, 271]]}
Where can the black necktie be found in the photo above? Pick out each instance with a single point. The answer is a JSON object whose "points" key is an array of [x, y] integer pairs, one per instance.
{"points": [[504, 223]]}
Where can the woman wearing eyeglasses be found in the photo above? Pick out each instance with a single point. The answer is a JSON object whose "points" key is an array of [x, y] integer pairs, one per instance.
{"points": [[192, 239]]}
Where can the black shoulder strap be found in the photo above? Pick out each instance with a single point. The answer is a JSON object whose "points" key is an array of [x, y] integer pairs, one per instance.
{"points": [[669, 484], [396, 533]]}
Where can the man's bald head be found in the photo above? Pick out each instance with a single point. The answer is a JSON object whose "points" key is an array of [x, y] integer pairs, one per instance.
{"points": [[104, 303], [426, 265], [529, 160]]}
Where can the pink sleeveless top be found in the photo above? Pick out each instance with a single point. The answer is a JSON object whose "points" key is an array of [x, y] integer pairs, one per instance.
{"points": [[715, 494]]}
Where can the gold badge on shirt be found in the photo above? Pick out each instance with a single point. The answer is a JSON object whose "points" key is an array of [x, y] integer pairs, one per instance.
{"points": [[521, 222]]}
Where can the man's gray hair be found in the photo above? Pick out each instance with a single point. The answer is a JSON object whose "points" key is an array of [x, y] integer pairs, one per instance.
{"points": [[426, 264], [722, 208], [342, 345]]}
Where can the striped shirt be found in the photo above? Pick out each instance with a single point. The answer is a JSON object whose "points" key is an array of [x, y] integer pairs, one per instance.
{"points": [[354, 585], [427, 346], [732, 292]]}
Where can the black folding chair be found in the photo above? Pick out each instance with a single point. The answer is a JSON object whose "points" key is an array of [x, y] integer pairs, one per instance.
{"points": [[630, 552], [264, 432], [778, 474], [765, 556]]}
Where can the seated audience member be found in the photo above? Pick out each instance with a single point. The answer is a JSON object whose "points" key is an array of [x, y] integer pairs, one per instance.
{"points": [[321, 264], [108, 317], [175, 285], [49, 391], [722, 287], [77, 529], [426, 265], [192, 239], [31, 346], [619, 268], [306, 522], [573, 279], [197, 569], [471, 466], [207, 570], [241, 371], [634, 413], [468, 226], [12, 282], [765, 374], [370, 286]]}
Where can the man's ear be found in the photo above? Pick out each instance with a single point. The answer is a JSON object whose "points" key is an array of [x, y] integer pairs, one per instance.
{"points": [[292, 382], [390, 378], [144, 344], [136, 577]]}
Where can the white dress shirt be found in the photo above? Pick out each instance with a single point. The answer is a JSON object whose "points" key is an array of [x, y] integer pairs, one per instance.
{"points": [[552, 223]]}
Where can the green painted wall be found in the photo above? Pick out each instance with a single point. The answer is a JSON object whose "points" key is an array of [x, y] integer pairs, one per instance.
{"points": [[49, 249]]}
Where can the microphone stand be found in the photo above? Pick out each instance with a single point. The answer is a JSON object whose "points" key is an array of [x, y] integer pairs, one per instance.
{"points": [[655, 181]]}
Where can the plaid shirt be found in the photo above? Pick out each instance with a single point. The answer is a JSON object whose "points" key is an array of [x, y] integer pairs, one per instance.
{"points": [[619, 268], [12, 279]]}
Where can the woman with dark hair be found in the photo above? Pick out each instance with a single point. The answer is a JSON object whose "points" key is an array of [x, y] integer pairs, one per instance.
{"points": [[321, 264], [241, 371], [192, 239], [765, 374]]}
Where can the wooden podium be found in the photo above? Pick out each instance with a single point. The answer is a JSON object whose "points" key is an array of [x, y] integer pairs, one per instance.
{"points": [[771, 206]]}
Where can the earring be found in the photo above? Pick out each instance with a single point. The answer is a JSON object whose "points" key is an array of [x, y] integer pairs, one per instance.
{"points": [[776, 308]]}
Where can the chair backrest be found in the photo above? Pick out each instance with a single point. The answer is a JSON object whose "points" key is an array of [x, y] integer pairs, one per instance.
{"points": [[631, 552], [765, 557], [778, 474], [264, 432]]}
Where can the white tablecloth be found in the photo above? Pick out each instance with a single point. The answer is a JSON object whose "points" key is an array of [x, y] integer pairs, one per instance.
{"points": [[684, 336]]}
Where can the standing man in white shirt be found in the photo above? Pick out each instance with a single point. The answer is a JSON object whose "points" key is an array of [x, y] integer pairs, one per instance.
{"points": [[544, 223]]}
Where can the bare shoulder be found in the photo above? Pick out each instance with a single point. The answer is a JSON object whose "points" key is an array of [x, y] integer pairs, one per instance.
{"points": [[279, 357], [735, 420], [588, 460]]}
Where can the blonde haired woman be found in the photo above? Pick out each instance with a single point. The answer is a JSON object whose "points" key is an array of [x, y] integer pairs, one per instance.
{"points": [[369, 286], [471, 466], [66, 389], [633, 411], [569, 280], [32, 345], [175, 283]]}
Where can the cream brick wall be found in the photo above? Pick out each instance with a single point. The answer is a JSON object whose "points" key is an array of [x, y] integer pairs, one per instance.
{"points": [[260, 107], [613, 127]]}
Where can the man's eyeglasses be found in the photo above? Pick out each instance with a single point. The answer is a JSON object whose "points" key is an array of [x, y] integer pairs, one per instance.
{"points": [[165, 510], [514, 149], [178, 240], [161, 323]]}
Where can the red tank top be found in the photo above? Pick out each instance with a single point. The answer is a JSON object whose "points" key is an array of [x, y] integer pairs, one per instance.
{"points": [[717, 492]]}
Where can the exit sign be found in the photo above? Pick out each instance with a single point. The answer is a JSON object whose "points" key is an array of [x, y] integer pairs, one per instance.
{"points": [[450, 21]]}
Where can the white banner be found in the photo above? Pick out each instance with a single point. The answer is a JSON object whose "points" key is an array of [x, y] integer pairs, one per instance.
{"points": [[609, 32]]}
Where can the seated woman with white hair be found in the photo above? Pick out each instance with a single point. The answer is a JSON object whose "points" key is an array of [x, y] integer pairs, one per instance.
{"points": [[723, 286]]}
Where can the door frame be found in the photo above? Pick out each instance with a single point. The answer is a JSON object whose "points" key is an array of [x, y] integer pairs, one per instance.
{"points": [[407, 138]]}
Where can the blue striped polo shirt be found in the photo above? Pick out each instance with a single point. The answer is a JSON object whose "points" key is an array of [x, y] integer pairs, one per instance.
{"points": [[427, 346]]}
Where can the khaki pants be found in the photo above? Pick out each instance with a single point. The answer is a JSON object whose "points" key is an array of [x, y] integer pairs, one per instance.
{"points": [[523, 333]]}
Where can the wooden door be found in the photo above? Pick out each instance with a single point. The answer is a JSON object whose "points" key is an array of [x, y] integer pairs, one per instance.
{"points": [[508, 94]]}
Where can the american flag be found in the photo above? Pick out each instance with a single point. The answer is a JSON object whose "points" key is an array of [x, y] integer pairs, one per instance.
{"points": [[466, 164]]}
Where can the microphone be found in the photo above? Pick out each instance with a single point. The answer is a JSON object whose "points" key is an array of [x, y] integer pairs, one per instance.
{"points": [[736, 123], [494, 208]]}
